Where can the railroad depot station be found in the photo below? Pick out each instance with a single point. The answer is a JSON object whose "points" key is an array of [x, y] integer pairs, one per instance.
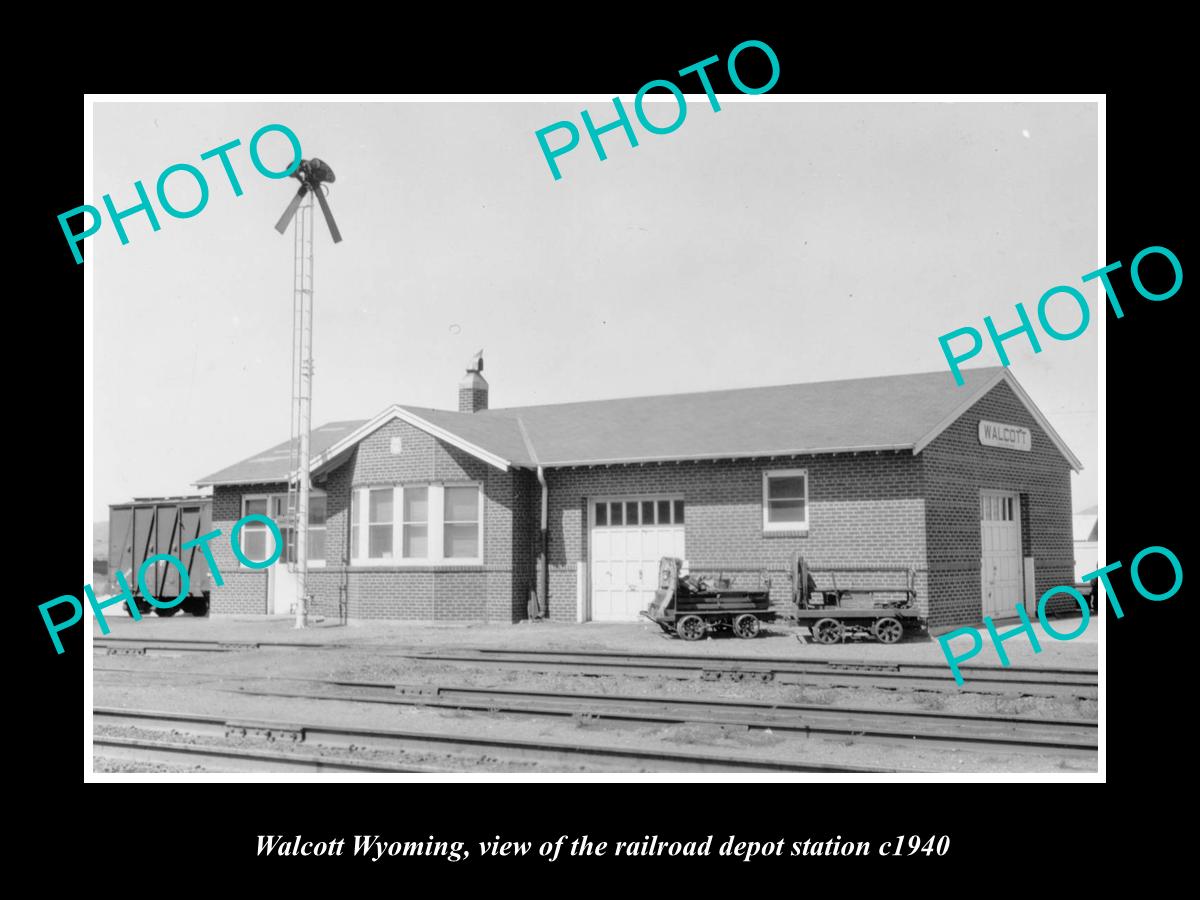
{"points": [[427, 514]]}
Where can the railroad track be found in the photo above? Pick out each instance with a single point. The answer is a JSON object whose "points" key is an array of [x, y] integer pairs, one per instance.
{"points": [[932, 728], [1048, 682], [121, 646], [227, 759], [225, 739], [1023, 681]]}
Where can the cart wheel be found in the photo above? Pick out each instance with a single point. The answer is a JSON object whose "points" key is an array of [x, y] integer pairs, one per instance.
{"points": [[169, 611], [888, 631], [746, 626], [827, 631], [690, 628]]}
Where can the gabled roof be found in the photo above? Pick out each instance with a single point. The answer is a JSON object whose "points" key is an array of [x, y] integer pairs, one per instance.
{"points": [[274, 464], [1086, 526], [896, 412]]}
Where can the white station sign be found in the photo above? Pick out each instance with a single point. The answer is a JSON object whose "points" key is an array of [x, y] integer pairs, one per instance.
{"points": [[1011, 437]]}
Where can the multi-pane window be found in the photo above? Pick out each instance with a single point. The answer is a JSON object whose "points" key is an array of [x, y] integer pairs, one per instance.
{"points": [[993, 508], [316, 526], [379, 531], [785, 500], [634, 513], [257, 542], [461, 523], [416, 523], [256, 538]]}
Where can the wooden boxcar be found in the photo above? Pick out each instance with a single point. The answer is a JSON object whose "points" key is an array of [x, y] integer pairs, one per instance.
{"points": [[149, 526]]}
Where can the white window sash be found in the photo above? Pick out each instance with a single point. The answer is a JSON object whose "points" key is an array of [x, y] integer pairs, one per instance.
{"points": [[768, 525], [434, 525], [400, 491]]}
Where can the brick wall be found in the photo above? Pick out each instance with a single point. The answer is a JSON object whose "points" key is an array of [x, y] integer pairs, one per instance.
{"points": [[864, 512], [472, 399], [244, 591], [487, 592], [954, 468]]}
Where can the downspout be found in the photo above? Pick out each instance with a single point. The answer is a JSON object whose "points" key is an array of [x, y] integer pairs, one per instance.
{"points": [[539, 601], [543, 563]]}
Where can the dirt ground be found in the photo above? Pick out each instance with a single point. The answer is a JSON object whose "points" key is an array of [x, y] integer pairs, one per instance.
{"points": [[225, 684]]}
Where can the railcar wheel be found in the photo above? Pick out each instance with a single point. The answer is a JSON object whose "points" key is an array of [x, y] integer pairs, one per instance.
{"points": [[690, 628], [746, 626], [827, 631], [170, 611], [888, 631]]}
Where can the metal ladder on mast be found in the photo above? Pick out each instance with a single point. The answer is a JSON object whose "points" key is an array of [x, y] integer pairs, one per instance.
{"points": [[301, 420]]}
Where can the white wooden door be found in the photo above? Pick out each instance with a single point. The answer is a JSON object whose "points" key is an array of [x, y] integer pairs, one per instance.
{"points": [[629, 535], [1000, 565]]}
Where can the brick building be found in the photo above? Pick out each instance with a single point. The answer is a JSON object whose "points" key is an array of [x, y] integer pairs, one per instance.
{"points": [[435, 515]]}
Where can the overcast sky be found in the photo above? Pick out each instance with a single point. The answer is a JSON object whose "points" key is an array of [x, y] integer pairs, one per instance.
{"points": [[769, 243]]}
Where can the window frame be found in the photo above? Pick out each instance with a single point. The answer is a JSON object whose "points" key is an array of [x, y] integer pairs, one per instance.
{"points": [[365, 547], [783, 527], [270, 498], [319, 563], [405, 523], [613, 502], [435, 523], [478, 523]]}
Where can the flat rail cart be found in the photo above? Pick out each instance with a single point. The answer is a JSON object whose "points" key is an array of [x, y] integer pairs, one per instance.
{"points": [[149, 526], [692, 607], [832, 615]]}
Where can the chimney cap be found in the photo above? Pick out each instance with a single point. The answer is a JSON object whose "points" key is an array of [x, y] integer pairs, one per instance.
{"points": [[473, 381], [476, 364]]}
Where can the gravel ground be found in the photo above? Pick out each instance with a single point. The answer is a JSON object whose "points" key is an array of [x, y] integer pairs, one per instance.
{"points": [[105, 764], [207, 684], [363, 665], [778, 640], [441, 761]]}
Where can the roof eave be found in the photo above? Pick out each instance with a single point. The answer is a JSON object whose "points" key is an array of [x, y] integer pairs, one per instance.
{"points": [[702, 457]]}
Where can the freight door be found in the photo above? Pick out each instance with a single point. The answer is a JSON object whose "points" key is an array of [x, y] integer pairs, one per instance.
{"points": [[1000, 565], [629, 535]]}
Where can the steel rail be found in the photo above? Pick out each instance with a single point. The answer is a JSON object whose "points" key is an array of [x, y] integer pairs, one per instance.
{"points": [[906, 726], [807, 672], [584, 757], [230, 759], [1067, 675]]}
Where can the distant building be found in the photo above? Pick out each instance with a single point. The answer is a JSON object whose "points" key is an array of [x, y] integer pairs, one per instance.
{"points": [[1086, 528]]}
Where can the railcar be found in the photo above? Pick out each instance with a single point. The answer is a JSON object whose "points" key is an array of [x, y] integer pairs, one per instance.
{"points": [[150, 526], [691, 607], [884, 613]]}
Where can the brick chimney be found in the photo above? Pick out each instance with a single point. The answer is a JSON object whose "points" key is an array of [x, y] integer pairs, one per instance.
{"points": [[473, 389]]}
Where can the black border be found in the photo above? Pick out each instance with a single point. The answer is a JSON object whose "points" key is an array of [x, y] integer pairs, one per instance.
{"points": [[993, 825]]}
